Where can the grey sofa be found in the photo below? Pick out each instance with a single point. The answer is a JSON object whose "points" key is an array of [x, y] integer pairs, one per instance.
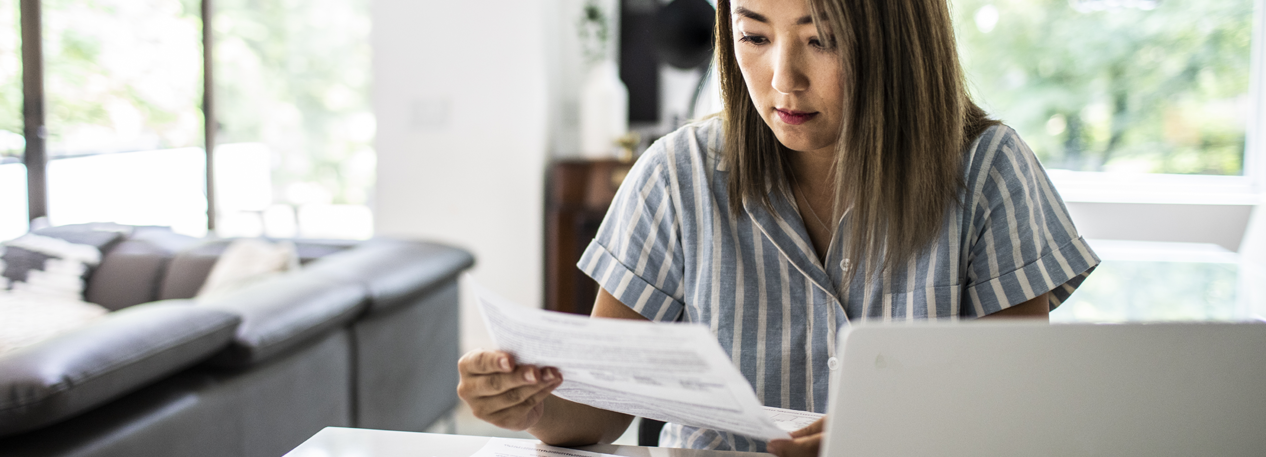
{"points": [[365, 335]]}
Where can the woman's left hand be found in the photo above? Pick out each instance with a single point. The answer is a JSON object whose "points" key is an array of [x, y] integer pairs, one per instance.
{"points": [[803, 443]]}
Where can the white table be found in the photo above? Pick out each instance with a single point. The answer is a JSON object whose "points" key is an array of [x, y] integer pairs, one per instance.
{"points": [[357, 442]]}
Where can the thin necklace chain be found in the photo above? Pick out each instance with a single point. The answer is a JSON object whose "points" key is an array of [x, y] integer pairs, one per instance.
{"points": [[795, 183]]}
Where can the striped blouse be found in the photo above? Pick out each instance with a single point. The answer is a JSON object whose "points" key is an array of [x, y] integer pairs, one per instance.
{"points": [[671, 249]]}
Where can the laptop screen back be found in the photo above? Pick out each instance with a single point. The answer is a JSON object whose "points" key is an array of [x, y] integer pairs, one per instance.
{"points": [[1049, 390]]}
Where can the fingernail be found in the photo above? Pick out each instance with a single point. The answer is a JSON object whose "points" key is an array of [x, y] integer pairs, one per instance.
{"points": [[548, 375], [505, 363], [529, 376]]}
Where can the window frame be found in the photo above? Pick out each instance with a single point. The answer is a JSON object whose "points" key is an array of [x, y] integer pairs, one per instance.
{"points": [[34, 128]]}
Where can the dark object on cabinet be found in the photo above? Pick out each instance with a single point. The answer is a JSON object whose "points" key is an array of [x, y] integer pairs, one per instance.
{"points": [[579, 193], [684, 33], [639, 60]]}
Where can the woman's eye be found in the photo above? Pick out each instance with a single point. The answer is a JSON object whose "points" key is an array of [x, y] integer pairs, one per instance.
{"points": [[753, 39]]}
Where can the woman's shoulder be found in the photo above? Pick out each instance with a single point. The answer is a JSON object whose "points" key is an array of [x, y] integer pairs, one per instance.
{"points": [[998, 148], [693, 147], [999, 161], [984, 149]]}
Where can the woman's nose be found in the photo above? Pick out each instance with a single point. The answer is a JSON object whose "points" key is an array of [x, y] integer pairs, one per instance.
{"points": [[788, 77]]}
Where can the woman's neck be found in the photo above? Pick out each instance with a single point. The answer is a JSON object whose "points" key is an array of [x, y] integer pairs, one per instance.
{"points": [[813, 187], [815, 172]]}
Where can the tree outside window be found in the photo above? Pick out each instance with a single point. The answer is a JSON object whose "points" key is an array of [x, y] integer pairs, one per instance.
{"points": [[1156, 87]]}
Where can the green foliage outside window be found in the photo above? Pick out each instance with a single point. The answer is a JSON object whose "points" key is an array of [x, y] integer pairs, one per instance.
{"points": [[122, 75], [1163, 90], [11, 143], [295, 75]]}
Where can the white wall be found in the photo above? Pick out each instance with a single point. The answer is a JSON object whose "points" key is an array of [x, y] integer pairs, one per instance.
{"points": [[462, 96]]}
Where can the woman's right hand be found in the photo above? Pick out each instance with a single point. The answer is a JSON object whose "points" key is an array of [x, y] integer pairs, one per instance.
{"points": [[503, 393]]}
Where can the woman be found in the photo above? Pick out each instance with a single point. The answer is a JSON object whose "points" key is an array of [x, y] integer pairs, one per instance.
{"points": [[849, 178]]}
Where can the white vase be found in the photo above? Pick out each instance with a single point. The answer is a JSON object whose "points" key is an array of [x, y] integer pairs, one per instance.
{"points": [[604, 111]]}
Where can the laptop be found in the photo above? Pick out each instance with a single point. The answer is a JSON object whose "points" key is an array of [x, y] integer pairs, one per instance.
{"points": [[1028, 389]]}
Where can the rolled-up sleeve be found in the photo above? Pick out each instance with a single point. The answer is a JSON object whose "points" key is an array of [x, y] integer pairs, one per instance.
{"points": [[1025, 241], [637, 254]]}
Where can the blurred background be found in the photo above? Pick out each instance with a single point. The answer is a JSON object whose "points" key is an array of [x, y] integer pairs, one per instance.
{"points": [[450, 121]]}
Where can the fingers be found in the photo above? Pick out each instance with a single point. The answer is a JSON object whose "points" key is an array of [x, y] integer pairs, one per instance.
{"points": [[523, 414], [503, 392], [482, 361], [490, 385], [811, 429], [806, 446], [522, 394]]}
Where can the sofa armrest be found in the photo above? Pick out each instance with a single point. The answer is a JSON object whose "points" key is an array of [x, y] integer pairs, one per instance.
{"points": [[283, 312], [395, 271], [128, 349]]}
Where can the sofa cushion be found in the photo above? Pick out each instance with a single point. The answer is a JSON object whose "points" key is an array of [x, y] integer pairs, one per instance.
{"points": [[128, 349], [284, 312], [101, 235], [132, 272], [395, 271], [189, 269]]}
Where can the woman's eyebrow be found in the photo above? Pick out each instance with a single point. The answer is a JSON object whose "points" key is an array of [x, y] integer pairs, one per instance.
{"points": [[761, 18], [741, 11]]}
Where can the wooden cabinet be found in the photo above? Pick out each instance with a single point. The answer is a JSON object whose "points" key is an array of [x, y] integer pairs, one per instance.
{"points": [[579, 192]]}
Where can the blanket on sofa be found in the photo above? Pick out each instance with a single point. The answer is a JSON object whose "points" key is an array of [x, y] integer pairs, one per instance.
{"points": [[27, 318]]}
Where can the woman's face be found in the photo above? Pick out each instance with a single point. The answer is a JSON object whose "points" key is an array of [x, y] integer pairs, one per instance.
{"points": [[792, 74]]}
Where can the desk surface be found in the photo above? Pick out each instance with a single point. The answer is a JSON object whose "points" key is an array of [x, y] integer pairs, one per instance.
{"points": [[355, 442]]}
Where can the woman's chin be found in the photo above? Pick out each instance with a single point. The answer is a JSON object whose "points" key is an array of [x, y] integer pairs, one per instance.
{"points": [[798, 141]]}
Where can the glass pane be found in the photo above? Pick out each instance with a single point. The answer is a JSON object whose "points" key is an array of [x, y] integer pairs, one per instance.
{"points": [[1153, 87], [124, 85], [13, 211], [160, 187], [1155, 282], [296, 130], [122, 75]]}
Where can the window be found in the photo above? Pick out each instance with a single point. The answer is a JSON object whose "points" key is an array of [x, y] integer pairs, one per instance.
{"points": [[123, 83], [1129, 86], [13, 212], [1129, 102], [295, 126], [1150, 281], [123, 87]]}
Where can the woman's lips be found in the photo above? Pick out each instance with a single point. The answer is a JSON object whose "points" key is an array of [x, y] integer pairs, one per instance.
{"points": [[794, 117]]}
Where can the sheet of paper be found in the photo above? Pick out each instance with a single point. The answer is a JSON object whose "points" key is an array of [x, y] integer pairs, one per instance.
{"points": [[669, 372], [790, 419], [501, 447]]}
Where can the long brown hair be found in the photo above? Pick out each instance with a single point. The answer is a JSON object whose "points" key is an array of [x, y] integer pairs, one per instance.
{"points": [[907, 123]]}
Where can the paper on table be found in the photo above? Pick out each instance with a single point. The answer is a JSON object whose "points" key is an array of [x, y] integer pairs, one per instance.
{"points": [[669, 372], [501, 447], [790, 419]]}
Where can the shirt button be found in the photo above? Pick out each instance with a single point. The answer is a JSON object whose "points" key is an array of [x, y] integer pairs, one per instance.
{"points": [[844, 264], [833, 363]]}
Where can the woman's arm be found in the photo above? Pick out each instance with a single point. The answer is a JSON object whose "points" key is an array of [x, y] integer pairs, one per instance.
{"points": [[1037, 308], [565, 423]]}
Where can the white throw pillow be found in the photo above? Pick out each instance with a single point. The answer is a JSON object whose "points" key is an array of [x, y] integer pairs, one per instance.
{"points": [[246, 261]]}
